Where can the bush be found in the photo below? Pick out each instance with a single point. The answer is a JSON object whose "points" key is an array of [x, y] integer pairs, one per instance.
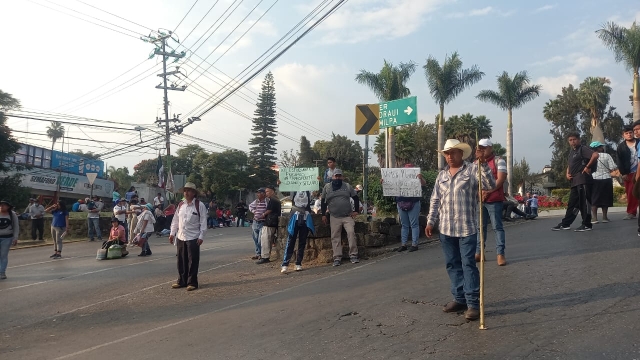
{"points": [[560, 193], [618, 193]]}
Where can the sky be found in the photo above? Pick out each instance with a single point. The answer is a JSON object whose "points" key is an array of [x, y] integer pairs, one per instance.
{"points": [[54, 62]]}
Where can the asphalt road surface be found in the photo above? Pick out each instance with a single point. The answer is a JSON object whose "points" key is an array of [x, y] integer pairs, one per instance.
{"points": [[563, 295]]}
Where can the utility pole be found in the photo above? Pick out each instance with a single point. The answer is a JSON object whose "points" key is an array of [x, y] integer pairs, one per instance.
{"points": [[161, 49], [365, 174]]}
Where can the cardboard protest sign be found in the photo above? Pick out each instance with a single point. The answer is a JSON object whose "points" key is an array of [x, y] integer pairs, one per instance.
{"points": [[401, 182], [298, 179]]}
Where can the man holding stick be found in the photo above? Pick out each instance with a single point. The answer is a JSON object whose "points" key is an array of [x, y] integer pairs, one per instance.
{"points": [[454, 202]]}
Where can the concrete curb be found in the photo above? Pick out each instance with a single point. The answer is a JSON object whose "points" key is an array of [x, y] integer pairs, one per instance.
{"points": [[35, 244]]}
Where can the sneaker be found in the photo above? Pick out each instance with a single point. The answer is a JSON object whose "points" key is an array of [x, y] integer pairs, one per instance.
{"points": [[336, 262], [402, 248], [54, 255], [58, 256], [413, 248], [560, 227], [283, 269], [582, 228], [629, 217], [3, 276], [354, 260], [262, 261], [144, 253], [298, 267], [604, 221], [595, 221], [191, 288]]}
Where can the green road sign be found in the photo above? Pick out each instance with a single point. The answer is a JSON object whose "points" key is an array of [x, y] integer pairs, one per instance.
{"points": [[398, 112]]}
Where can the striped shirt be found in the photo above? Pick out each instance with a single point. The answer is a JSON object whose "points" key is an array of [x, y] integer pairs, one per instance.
{"points": [[605, 166], [454, 200], [258, 208]]}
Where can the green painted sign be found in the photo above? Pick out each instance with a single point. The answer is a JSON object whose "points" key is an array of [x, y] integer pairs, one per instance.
{"points": [[398, 112]]}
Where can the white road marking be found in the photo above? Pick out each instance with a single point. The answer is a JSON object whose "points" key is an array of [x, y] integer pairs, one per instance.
{"points": [[87, 350]]}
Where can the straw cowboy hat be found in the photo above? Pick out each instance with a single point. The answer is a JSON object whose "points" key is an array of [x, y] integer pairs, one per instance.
{"points": [[189, 185], [455, 144]]}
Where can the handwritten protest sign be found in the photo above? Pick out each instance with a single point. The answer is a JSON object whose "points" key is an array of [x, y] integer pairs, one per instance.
{"points": [[298, 179], [401, 182]]}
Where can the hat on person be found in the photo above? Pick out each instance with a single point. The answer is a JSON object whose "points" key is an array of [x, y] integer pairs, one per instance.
{"points": [[32, 199], [455, 144], [149, 206], [115, 219], [595, 144], [261, 190], [6, 202], [485, 143], [358, 187], [188, 185], [337, 172], [535, 195], [122, 199]]}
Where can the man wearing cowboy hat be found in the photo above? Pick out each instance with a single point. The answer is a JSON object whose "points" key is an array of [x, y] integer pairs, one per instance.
{"points": [[454, 202], [188, 228]]}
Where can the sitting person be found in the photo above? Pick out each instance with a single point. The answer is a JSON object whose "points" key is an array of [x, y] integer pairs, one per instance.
{"points": [[116, 236], [220, 217], [228, 218], [511, 206]]}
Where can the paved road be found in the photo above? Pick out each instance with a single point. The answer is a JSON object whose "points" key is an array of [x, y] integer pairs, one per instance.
{"points": [[563, 295]]}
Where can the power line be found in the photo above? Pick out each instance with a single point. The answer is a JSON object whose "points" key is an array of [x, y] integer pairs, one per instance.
{"points": [[67, 122], [185, 16], [91, 22], [119, 17], [315, 24]]}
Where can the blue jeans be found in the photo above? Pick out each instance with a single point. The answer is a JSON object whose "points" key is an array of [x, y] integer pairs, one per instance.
{"points": [[534, 211], [299, 231], [5, 245], [493, 211], [212, 222], [409, 219], [257, 227], [461, 267], [146, 235], [93, 225]]}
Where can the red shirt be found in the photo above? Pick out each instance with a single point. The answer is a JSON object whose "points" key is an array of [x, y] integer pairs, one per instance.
{"points": [[115, 233], [170, 210]]}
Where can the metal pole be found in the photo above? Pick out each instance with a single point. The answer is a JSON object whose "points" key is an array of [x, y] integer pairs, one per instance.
{"points": [[386, 148], [481, 222], [365, 173], [166, 105]]}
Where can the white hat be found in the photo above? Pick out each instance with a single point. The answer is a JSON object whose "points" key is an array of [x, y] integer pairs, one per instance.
{"points": [[455, 144], [188, 185], [358, 187], [485, 143]]}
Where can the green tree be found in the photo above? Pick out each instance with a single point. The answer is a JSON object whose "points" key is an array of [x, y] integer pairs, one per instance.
{"points": [[522, 175], [87, 155], [416, 145], [55, 131], [120, 177], [290, 158], [499, 150], [10, 185], [263, 143], [347, 152], [145, 170], [307, 155], [512, 94], [389, 84], [594, 96], [625, 44], [183, 162], [223, 174], [445, 83], [464, 127]]}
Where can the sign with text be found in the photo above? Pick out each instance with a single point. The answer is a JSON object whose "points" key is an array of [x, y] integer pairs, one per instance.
{"points": [[401, 182], [298, 179], [71, 185], [398, 112], [75, 164]]}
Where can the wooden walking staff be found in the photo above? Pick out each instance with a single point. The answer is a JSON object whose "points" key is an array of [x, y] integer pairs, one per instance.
{"points": [[481, 220]]}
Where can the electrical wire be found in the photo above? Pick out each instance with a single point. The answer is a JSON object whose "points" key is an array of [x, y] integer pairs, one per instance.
{"points": [[119, 17], [185, 16]]}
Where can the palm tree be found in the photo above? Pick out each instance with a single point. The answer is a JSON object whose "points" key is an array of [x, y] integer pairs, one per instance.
{"points": [[55, 131], [389, 84], [511, 95], [463, 128], [594, 96], [445, 83], [625, 44]]}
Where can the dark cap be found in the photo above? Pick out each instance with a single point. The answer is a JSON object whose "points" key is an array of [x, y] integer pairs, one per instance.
{"points": [[262, 190], [6, 202], [115, 219]]}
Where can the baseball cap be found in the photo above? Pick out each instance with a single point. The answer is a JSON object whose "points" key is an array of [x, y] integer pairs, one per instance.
{"points": [[337, 172], [262, 190], [485, 143]]}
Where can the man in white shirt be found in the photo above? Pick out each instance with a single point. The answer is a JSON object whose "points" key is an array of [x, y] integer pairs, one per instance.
{"points": [[188, 228], [36, 211], [120, 212], [158, 201]]}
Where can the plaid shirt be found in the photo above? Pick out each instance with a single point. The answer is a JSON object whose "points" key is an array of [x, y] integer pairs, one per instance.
{"points": [[455, 199]]}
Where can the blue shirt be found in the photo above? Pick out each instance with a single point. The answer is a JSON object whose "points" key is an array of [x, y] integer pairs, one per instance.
{"points": [[59, 218]]}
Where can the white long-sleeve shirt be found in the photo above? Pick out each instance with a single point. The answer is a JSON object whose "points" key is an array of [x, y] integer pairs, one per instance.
{"points": [[186, 224]]}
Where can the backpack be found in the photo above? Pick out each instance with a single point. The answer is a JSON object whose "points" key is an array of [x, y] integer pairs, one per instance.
{"points": [[91, 205], [197, 207]]}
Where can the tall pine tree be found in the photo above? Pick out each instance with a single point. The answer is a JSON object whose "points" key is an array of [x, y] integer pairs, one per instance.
{"points": [[307, 155], [263, 143]]}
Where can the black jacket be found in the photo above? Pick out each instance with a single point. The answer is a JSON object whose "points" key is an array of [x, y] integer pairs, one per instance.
{"points": [[624, 157]]}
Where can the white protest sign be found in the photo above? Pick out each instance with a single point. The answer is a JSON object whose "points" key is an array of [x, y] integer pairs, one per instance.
{"points": [[298, 179], [401, 182]]}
